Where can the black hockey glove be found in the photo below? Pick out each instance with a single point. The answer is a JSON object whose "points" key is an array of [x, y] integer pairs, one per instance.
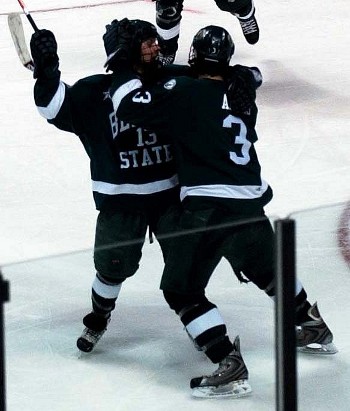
{"points": [[119, 44], [241, 97], [43, 47], [242, 85]]}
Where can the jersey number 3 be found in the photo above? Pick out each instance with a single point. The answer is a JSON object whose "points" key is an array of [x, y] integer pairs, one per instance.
{"points": [[240, 139]]}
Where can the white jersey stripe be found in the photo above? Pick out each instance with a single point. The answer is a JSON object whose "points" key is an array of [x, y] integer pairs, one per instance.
{"points": [[124, 90], [148, 188], [168, 34], [298, 288], [104, 290], [225, 191], [206, 321], [51, 110]]}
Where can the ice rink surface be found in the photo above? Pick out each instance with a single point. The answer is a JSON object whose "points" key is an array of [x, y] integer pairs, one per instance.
{"points": [[145, 360]]}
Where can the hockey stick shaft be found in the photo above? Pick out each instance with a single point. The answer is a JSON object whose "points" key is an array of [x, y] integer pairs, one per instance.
{"points": [[28, 15]]}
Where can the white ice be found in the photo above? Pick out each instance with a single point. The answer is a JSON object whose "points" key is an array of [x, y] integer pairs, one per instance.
{"points": [[145, 360]]}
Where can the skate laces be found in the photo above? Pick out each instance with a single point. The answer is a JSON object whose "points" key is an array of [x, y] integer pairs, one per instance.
{"points": [[249, 26], [314, 330], [231, 365], [91, 335], [166, 59], [224, 366]]}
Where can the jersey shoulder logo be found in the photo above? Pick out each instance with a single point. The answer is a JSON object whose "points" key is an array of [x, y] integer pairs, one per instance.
{"points": [[169, 85]]}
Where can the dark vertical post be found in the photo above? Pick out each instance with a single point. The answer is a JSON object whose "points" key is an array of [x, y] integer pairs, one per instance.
{"points": [[4, 296], [286, 376]]}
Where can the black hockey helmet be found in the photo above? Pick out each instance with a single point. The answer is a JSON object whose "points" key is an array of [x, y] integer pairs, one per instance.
{"points": [[140, 31], [143, 30], [211, 49], [131, 34]]}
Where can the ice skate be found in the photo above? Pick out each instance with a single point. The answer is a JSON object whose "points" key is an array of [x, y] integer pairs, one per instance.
{"points": [[229, 380], [168, 49], [95, 328], [249, 25], [314, 337], [166, 59]]}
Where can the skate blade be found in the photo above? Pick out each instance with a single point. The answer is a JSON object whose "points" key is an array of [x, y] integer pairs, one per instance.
{"points": [[320, 349], [235, 389], [80, 355]]}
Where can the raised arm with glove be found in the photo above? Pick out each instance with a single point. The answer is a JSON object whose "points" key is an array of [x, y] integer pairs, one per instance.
{"points": [[43, 47]]}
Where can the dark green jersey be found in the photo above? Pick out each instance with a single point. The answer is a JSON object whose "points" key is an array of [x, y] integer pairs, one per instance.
{"points": [[214, 149], [130, 165]]}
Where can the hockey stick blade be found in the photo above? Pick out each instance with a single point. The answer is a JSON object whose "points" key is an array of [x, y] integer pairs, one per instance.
{"points": [[17, 33]]}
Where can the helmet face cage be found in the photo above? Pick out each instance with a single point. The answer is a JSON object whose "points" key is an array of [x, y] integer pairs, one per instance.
{"points": [[212, 44], [143, 31]]}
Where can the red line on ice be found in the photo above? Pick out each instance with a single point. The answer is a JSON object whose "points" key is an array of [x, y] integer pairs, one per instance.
{"points": [[101, 3], [343, 234]]}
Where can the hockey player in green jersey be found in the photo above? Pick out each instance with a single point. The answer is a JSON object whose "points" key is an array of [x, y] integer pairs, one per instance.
{"points": [[133, 176], [169, 15], [221, 185]]}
